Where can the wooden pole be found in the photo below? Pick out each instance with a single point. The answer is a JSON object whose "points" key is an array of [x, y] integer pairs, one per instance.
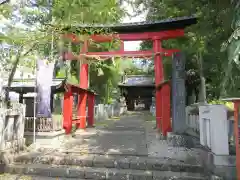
{"points": [[82, 99], [91, 100], [67, 112], [158, 66], [166, 121]]}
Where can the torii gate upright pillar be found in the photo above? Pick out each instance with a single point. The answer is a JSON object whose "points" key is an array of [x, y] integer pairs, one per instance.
{"points": [[158, 67], [82, 99], [163, 121]]}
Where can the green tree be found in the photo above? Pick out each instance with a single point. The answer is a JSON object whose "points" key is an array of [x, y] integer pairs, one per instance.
{"points": [[202, 42], [231, 85], [44, 20]]}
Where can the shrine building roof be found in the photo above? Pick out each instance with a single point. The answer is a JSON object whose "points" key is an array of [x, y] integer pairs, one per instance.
{"points": [[24, 86], [137, 81]]}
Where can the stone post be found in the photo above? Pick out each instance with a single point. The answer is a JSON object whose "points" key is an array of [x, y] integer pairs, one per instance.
{"points": [[178, 93], [2, 125], [112, 109], [101, 111]]}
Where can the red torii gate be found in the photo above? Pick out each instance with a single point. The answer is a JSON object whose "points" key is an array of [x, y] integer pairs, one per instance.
{"points": [[156, 32]]}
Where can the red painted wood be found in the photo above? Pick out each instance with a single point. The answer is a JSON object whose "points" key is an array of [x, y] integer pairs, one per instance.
{"points": [[150, 35], [67, 112], [158, 66], [133, 36], [82, 99], [84, 76], [77, 89], [91, 100], [82, 104], [166, 114], [236, 131], [76, 121]]}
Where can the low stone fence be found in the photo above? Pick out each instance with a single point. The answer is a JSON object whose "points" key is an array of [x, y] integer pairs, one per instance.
{"points": [[192, 119], [213, 122], [213, 125], [43, 124], [46, 130], [193, 125], [103, 111], [12, 128]]}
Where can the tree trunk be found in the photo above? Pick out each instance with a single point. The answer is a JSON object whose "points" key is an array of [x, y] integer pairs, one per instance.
{"points": [[202, 78], [13, 71]]}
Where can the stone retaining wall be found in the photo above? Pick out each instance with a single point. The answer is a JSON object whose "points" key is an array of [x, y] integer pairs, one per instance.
{"points": [[12, 128]]}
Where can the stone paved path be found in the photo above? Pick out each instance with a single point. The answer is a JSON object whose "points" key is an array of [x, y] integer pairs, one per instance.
{"points": [[130, 135], [129, 143], [126, 136], [26, 177]]}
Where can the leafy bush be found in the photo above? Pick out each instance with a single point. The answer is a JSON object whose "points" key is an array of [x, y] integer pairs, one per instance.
{"points": [[227, 104]]}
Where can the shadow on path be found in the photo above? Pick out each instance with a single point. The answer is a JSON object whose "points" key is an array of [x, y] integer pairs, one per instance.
{"points": [[125, 136], [131, 135]]}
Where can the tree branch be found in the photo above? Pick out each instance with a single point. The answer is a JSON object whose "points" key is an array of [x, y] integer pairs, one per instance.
{"points": [[4, 2], [17, 61], [10, 78]]}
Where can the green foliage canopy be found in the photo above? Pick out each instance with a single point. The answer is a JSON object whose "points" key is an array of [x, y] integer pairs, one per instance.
{"points": [[202, 42]]}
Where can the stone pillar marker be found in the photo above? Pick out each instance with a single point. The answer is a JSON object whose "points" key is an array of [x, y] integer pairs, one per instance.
{"points": [[178, 93]]}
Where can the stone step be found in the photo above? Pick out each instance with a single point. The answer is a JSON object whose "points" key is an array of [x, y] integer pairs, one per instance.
{"points": [[110, 161], [31, 177], [98, 173]]}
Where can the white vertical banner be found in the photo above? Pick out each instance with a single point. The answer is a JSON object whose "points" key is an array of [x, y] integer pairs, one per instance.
{"points": [[44, 83]]}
